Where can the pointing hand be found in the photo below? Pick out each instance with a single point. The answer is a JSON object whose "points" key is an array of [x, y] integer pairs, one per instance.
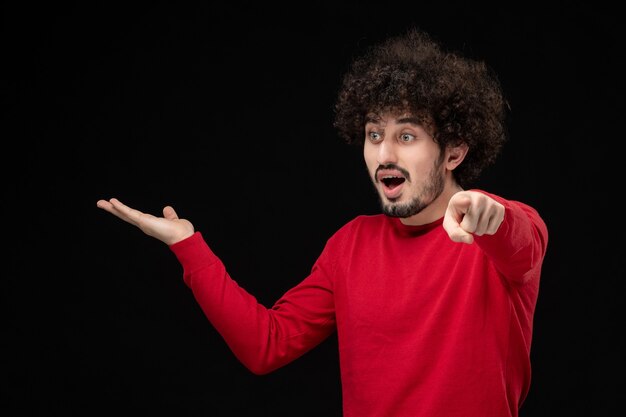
{"points": [[472, 213]]}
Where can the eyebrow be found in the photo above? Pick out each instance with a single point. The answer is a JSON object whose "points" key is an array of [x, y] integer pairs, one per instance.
{"points": [[411, 119]]}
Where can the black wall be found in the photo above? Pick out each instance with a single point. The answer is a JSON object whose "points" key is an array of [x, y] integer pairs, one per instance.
{"points": [[225, 112]]}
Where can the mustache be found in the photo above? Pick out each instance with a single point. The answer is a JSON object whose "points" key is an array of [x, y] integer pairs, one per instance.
{"points": [[395, 167]]}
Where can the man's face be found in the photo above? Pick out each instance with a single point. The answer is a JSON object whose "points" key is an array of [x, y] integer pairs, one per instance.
{"points": [[404, 163]]}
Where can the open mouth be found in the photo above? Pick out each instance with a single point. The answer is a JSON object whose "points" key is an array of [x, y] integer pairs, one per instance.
{"points": [[391, 181]]}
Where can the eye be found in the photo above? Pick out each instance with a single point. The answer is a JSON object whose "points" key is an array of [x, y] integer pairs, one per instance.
{"points": [[374, 137], [406, 137]]}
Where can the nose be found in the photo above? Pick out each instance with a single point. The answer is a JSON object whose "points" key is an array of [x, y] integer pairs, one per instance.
{"points": [[386, 153]]}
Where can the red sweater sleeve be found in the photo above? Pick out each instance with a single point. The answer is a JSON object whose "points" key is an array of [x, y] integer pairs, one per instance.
{"points": [[519, 246], [263, 339]]}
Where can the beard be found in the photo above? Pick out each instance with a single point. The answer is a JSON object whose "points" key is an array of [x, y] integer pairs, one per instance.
{"points": [[430, 191]]}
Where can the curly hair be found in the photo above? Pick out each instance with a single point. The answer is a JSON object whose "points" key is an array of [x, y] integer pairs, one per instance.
{"points": [[459, 97]]}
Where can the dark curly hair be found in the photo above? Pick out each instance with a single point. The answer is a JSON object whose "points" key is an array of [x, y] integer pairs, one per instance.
{"points": [[459, 97]]}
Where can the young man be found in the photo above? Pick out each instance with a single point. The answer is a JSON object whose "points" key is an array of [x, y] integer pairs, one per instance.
{"points": [[433, 299]]}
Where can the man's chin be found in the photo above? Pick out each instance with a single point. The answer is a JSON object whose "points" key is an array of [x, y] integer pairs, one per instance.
{"points": [[401, 210], [398, 210]]}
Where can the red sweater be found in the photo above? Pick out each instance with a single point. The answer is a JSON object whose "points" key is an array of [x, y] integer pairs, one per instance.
{"points": [[426, 326]]}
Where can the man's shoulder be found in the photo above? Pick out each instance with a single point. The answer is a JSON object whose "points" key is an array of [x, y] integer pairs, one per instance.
{"points": [[356, 227], [363, 221]]}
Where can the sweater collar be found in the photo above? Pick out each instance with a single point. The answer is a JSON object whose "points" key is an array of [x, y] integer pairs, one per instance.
{"points": [[407, 230]]}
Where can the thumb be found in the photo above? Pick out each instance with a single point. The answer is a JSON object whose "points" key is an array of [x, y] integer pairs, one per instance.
{"points": [[169, 213]]}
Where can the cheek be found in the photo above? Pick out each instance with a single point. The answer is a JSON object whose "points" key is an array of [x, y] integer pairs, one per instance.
{"points": [[420, 170], [369, 156]]}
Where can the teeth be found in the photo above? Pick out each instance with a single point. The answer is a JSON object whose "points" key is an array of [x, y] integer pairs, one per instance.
{"points": [[385, 177]]}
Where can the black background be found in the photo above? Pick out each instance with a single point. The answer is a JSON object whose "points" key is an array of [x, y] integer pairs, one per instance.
{"points": [[225, 112]]}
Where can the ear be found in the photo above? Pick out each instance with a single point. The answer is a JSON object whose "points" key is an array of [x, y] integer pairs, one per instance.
{"points": [[455, 155]]}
